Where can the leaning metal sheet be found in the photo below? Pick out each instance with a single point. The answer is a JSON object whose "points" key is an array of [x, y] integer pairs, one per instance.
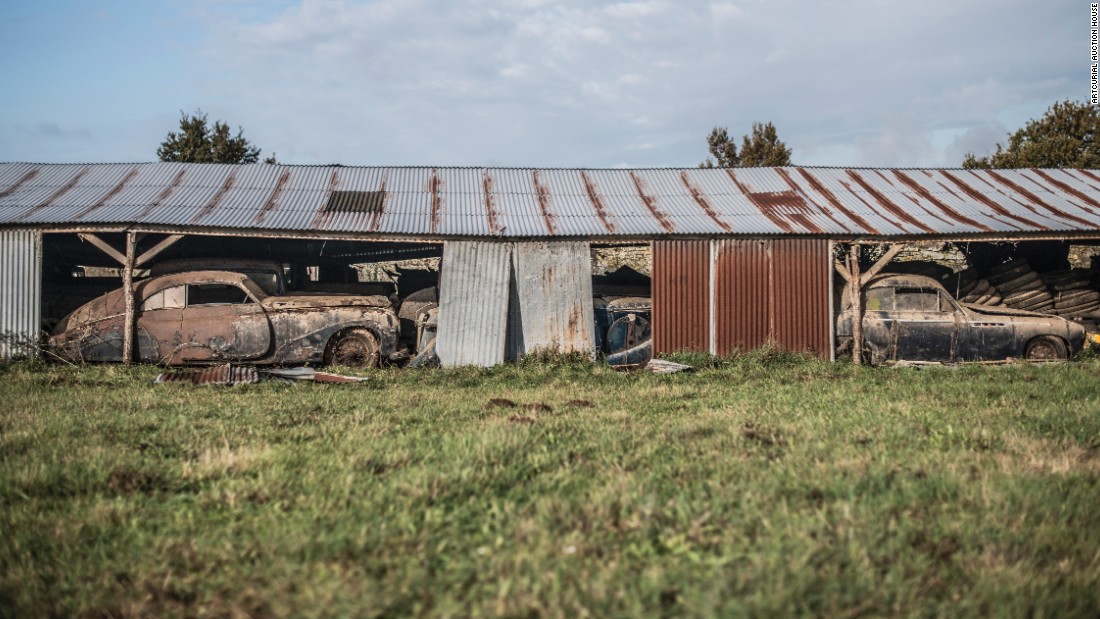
{"points": [[554, 288], [473, 303]]}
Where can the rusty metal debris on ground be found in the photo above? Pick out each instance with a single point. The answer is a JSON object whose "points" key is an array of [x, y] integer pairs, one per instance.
{"points": [[230, 374], [660, 366]]}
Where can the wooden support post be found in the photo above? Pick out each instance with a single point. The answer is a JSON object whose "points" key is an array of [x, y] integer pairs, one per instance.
{"points": [[882, 262], [128, 295], [104, 247], [856, 286], [156, 249], [843, 270]]}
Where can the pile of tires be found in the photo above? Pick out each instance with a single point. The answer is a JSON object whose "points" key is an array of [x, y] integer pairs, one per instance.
{"points": [[1073, 292], [968, 287], [1020, 287]]}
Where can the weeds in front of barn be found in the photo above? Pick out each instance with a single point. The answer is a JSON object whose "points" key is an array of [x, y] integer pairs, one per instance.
{"points": [[763, 484]]}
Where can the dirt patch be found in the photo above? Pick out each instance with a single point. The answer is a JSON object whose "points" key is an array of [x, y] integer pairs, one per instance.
{"points": [[1036, 455], [579, 404], [126, 482], [768, 437]]}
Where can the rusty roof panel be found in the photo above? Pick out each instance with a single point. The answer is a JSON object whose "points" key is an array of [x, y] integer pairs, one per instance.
{"points": [[534, 203]]}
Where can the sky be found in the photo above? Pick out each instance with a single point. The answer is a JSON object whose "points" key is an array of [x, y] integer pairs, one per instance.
{"points": [[539, 83]]}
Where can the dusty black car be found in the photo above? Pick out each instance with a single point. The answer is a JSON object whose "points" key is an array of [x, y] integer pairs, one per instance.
{"points": [[217, 316], [913, 318]]}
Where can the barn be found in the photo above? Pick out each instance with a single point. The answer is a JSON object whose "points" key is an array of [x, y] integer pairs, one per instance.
{"points": [[739, 258]]}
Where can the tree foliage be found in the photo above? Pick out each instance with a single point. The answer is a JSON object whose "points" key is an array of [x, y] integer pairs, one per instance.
{"points": [[198, 142], [1065, 137], [760, 148]]}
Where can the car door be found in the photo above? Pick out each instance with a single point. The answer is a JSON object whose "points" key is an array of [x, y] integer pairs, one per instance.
{"points": [[223, 321], [159, 318], [986, 337], [924, 326]]}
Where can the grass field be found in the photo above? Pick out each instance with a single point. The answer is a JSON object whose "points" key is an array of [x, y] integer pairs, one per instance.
{"points": [[766, 485]]}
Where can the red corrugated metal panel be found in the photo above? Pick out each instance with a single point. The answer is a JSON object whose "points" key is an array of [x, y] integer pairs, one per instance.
{"points": [[741, 295], [681, 295], [801, 276], [771, 291]]}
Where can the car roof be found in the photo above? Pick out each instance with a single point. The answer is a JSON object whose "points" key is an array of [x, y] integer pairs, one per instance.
{"points": [[156, 283]]}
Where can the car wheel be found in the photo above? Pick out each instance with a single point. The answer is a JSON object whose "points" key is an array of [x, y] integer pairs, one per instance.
{"points": [[1045, 348], [357, 347]]}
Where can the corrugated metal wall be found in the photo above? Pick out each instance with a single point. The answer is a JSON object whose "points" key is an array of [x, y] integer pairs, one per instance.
{"points": [[681, 295], [801, 294], [742, 320], [473, 302], [762, 291], [20, 290], [553, 308]]}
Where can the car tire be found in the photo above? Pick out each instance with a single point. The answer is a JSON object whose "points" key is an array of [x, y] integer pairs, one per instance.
{"points": [[354, 347], [1027, 281], [1045, 348], [1008, 271]]}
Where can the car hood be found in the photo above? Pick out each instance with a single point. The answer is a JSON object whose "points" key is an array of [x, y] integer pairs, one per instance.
{"points": [[300, 301], [986, 310]]}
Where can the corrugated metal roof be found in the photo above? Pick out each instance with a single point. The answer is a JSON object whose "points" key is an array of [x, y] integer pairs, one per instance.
{"points": [[526, 203]]}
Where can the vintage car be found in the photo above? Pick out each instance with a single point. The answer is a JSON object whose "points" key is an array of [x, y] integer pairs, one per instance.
{"points": [[201, 317], [913, 318]]}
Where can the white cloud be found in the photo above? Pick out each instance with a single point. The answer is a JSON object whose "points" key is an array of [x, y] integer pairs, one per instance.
{"points": [[725, 10], [585, 82]]}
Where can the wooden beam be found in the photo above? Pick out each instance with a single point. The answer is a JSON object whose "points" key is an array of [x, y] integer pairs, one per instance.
{"points": [[881, 262], [856, 288], [843, 272], [156, 249], [104, 247], [128, 295]]}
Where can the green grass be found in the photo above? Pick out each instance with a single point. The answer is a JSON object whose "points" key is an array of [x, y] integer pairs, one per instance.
{"points": [[763, 485]]}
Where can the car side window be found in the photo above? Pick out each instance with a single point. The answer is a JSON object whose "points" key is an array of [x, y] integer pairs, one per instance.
{"points": [[916, 300], [169, 298], [215, 294], [880, 299]]}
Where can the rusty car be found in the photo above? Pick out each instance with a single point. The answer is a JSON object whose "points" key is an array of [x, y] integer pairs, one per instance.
{"points": [[202, 317], [914, 318]]}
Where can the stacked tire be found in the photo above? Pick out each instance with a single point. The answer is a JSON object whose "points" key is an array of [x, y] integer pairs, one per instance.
{"points": [[1020, 287], [1073, 292], [968, 287]]}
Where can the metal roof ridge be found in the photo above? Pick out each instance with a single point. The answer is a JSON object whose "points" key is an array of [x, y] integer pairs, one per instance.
{"points": [[524, 168]]}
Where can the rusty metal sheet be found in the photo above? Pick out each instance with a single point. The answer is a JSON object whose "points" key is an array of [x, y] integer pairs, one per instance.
{"points": [[801, 287], [553, 305], [681, 296], [473, 302], [773, 291], [742, 295], [20, 291]]}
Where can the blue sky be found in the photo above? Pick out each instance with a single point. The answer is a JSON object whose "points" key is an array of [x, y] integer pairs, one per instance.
{"points": [[569, 83]]}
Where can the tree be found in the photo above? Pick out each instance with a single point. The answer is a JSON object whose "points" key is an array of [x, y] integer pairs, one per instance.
{"points": [[1065, 137], [722, 147], [762, 148], [197, 142]]}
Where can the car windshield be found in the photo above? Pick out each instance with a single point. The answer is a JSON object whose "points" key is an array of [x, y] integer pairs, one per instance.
{"points": [[266, 280]]}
